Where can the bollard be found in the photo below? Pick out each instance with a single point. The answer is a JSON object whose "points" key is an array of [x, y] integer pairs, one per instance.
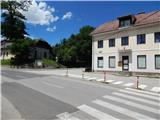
{"points": [[104, 76], [67, 73], [137, 82], [82, 75]]}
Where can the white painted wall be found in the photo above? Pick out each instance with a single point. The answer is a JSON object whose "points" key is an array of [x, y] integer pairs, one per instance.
{"points": [[149, 49]]}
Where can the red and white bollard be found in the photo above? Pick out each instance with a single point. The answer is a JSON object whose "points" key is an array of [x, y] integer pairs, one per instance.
{"points": [[104, 76], [137, 82]]}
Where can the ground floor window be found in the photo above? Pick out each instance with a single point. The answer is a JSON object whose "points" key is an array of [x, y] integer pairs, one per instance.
{"points": [[100, 62], [157, 61], [141, 61], [112, 61]]}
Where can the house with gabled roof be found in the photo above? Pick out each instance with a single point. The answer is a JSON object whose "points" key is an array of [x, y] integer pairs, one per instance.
{"points": [[130, 43]]}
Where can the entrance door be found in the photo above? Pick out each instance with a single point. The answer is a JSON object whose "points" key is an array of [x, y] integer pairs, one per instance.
{"points": [[125, 63]]}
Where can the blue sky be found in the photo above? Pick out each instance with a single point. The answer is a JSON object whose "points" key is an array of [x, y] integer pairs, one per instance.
{"points": [[81, 14]]}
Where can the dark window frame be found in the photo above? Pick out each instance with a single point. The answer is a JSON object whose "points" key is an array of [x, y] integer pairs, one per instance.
{"points": [[114, 43], [98, 44], [109, 61], [155, 60], [141, 36], [98, 62], [122, 42], [138, 62], [122, 22], [155, 40]]}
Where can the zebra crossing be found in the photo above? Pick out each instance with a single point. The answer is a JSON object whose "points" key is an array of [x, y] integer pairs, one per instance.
{"points": [[124, 104], [114, 82]]}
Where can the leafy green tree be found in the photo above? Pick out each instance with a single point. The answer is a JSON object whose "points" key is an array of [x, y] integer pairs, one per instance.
{"points": [[12, 24], [76, 51], [22, 50]]}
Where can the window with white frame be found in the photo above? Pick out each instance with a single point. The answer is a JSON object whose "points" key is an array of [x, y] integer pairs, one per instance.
{"points": [[141, 39], [157, 37], [112, 61], [157, 61], [100, 62], [141, 61], [100, 44]]}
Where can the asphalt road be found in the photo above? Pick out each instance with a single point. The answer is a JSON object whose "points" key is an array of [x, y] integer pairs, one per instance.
{"points": [[44, 97]]}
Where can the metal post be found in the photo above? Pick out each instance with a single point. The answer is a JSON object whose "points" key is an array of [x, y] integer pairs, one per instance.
{"points": [[67, 73], [82, 75], [104, 76], [137, 82]]}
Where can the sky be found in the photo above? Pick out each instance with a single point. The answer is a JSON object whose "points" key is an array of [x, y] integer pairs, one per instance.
{"points": [[55, 20]]}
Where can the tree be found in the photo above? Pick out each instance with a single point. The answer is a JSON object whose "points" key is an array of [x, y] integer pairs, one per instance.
{"points": [[22, 50], [76, 51], [13, 26]]}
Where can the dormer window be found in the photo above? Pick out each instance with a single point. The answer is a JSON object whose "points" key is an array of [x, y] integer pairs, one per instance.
{"points": [[126, 21]]}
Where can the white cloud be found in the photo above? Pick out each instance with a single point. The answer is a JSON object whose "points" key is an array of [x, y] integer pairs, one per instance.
{"points": [[68, 15], [51, 29], [40, 13]]}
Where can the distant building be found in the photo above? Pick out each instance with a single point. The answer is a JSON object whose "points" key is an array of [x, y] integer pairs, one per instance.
{"points": [[5, 52], [130, 43], [40, 50]]}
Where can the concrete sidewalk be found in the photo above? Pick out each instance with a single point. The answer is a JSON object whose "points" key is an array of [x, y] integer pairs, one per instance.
{"points": [[149, 84]]}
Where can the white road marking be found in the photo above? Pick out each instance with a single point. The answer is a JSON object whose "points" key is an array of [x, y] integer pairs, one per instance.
{"points": [[146, 92], [66, 116], [140, 94], [128, 84], [133, 104], [118, 82], [96, 113], [136, 98], [142, 86], [53, 85], [109, 81], [156, 89], [123, 111], [87, 77], [93, 78], [100, 80]]}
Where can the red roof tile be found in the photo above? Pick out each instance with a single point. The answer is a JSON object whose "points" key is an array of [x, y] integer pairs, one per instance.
{"points": [[141, 19]]}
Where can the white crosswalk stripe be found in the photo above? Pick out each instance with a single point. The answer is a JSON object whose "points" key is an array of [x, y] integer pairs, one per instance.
{"points": [[121, 110], [140, 94], [118, 82], [133, 104], [136, 98], [156, 89], [92, 78], [96, 113], [128, 84], [66, 116], [142, 86], [146, 92], [128, 102], [100, 80], [109, 81]]}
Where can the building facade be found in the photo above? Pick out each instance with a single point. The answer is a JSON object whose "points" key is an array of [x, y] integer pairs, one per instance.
{"points": [[130, 43], [5, 52]]}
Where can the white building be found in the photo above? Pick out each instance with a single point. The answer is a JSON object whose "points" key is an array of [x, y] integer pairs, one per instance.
{"points": [[130, 43]]}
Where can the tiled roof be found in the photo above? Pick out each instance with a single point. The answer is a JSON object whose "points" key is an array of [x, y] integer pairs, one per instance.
{"points": [[141, 19]]}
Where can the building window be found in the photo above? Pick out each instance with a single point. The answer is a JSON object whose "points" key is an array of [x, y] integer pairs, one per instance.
{"points": [[100, 62], [125, 23], [124, 41], [157, 37], [112, 61], [141, 61], [111, 42], [100, 44], [157, 61], [141, 39]]}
